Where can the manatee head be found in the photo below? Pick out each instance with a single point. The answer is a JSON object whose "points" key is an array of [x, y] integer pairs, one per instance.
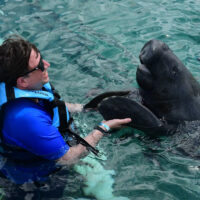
{"points": [[165, 84]]}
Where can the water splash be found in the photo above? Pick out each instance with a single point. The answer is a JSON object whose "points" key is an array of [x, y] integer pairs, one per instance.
{"points": [[99, 181]]}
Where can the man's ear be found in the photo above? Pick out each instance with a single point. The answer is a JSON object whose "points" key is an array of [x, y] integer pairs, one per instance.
{"points": [[22, 83]]}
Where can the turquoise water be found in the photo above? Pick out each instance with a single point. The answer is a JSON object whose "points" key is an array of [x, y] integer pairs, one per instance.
{"points": [[93, 46]]}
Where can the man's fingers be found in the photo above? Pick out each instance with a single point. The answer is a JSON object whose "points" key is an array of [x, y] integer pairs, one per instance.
{"points": [[117, 123], [125, 121]]}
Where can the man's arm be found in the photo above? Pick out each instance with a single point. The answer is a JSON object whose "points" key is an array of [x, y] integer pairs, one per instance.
{"points": [[74, 107], [79, 151]]}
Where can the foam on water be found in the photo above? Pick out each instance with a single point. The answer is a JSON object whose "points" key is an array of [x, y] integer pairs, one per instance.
{"points": [[99, 181]]}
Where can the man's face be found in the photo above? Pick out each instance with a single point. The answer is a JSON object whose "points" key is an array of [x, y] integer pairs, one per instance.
{"points": [[37, 78]]}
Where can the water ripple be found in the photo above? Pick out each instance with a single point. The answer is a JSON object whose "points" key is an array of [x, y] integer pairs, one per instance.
{"points": [[94, 46]]}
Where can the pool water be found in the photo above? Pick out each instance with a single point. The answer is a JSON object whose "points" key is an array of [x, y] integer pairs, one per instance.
{"points": [[93, 47]]}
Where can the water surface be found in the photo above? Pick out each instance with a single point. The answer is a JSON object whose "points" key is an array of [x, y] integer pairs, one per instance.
{"points": [[93, 46]]}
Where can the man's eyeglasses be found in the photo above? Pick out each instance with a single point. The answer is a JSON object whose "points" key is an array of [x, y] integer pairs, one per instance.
{"points": [[40, 66]]}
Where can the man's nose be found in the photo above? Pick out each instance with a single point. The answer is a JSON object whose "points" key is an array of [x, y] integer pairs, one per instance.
{"points": [[46, 64]]}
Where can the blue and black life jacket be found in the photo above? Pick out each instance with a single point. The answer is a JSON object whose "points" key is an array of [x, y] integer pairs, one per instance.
{"points": [[61, 116]]}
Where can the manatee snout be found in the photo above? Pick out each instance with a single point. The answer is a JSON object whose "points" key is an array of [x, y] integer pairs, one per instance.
{"points": [[151, 57], [144, 77], [145, 53], [151, 51]]}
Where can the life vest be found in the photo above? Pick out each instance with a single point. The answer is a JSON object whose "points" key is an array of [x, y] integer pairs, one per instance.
{"points": [[61, 115]]}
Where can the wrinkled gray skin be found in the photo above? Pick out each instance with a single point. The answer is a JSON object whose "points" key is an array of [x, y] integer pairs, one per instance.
{"points": [[166, 86], [168, 93]]}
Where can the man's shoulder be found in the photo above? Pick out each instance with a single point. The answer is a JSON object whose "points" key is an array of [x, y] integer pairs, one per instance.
{"points": [[23, 107], [21, 103], [25, 113]]}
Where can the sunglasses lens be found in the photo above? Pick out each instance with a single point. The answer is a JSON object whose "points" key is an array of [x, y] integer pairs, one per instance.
{"points": [[41, 65]]}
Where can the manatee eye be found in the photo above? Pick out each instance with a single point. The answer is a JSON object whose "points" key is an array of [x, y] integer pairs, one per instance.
{"points": [[174, 71]]}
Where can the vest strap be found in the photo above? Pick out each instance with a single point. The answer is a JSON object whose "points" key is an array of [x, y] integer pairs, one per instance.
{"points": [[62, 116], [10, 92]]}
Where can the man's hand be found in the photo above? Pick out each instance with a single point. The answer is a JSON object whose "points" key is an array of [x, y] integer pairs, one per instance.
{"points": [[116, 123]]}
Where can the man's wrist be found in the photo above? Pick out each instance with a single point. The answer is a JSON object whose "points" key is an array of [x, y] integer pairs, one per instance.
{"points": [[103, 128]]}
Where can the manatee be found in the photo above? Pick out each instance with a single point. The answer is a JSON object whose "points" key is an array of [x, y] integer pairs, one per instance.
{"points": [[168, 94]]}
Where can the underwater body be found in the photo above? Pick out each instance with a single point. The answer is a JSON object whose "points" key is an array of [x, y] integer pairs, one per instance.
{"points": [[93, 47]]}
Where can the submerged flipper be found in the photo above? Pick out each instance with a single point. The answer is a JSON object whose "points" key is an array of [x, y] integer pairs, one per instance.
{"points": [[94, 102], [121, 107]]}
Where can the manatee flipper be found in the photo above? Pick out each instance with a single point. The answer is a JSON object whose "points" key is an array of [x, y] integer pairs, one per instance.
{"points": [[95, 101], [121, 107]]}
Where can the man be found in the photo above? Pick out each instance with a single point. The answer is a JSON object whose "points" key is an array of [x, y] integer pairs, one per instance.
{"points": [[31, 119]]}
